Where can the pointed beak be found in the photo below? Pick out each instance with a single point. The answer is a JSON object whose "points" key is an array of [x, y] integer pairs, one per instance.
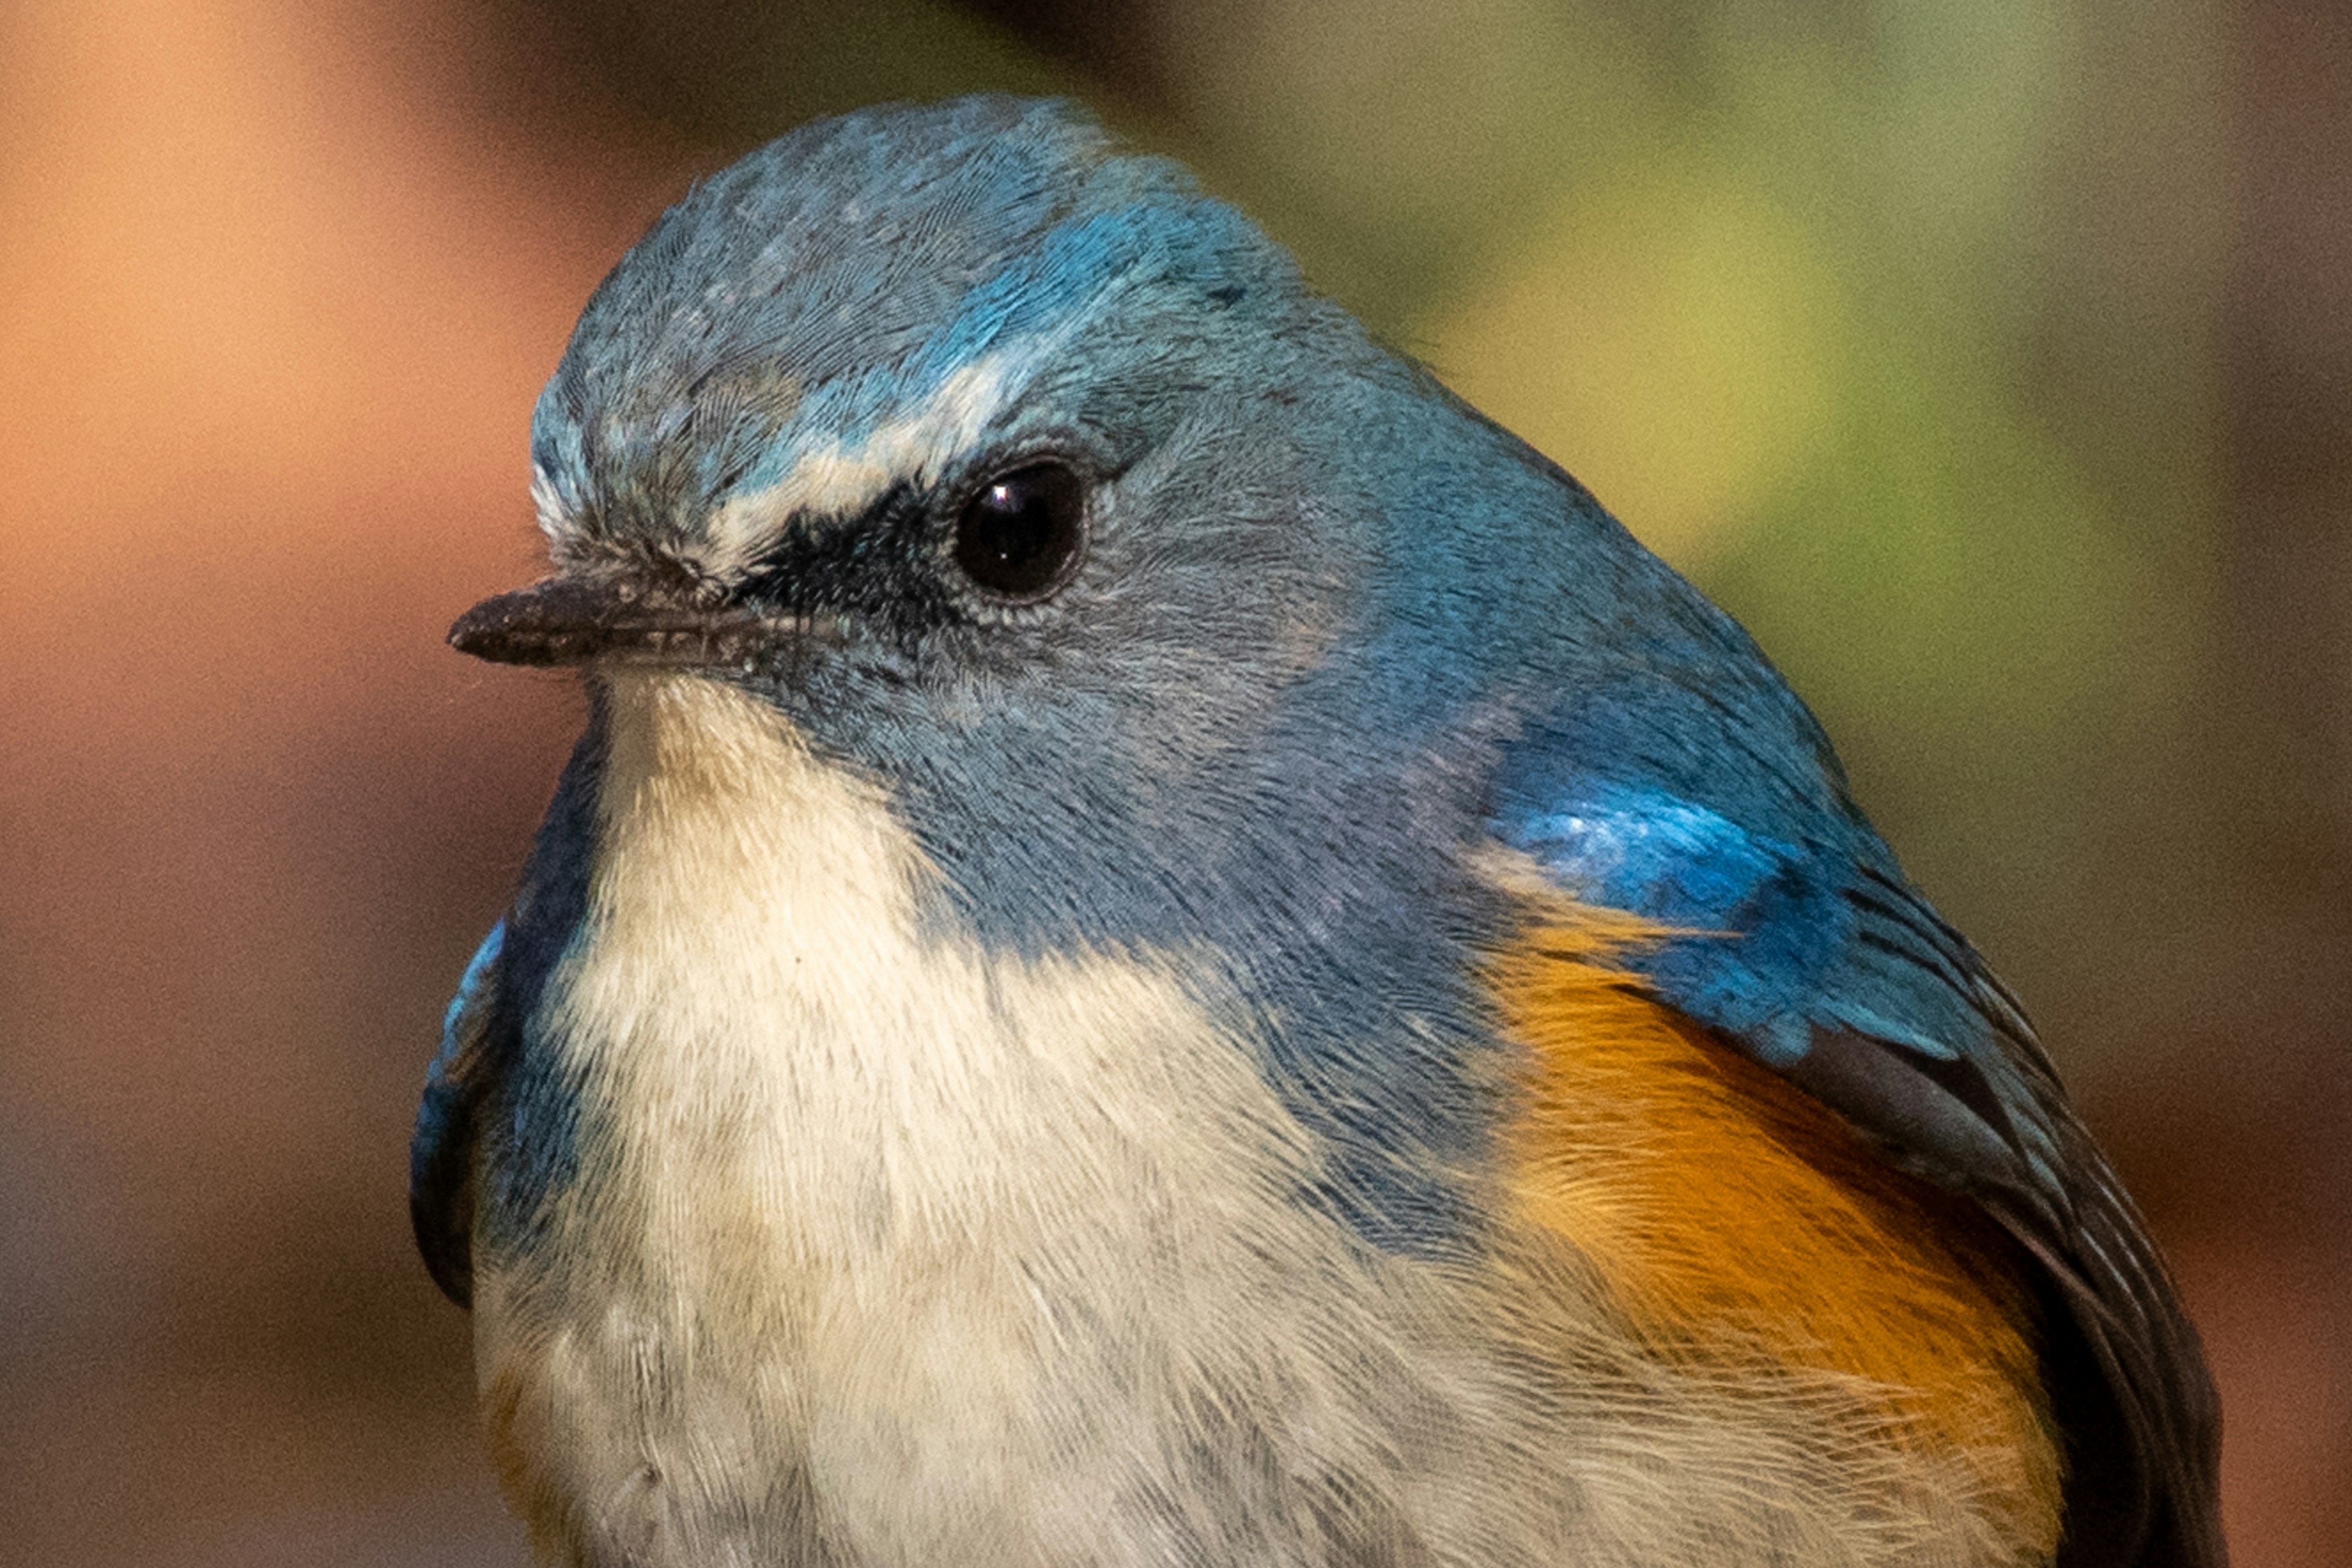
{"points": [[562, 621]]}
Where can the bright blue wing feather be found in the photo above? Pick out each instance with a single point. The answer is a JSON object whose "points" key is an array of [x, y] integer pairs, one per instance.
{"points": [[1725, 819]]}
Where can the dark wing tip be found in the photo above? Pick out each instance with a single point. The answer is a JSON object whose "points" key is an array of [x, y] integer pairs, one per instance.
{"points": [[2124, 1367], [441, 1190], [2128, 1381]]}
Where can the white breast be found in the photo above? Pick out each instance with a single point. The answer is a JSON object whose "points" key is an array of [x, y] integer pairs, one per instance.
{"points": [[869, 1215]]}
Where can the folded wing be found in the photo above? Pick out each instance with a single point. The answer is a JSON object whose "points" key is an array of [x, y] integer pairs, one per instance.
{"points": [[1798, 940]]}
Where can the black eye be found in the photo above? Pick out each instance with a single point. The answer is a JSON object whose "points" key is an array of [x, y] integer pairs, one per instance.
{"points": [[1019, 537]]}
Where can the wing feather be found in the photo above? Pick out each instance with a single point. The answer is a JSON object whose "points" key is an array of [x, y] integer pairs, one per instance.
{"points": [[441, 1151], [1798, 939]]}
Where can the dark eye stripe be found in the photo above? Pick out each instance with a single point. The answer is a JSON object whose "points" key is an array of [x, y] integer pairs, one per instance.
{"points": [[878, 567]]}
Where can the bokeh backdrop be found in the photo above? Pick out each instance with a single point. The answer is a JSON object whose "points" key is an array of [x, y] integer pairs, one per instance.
{"points": [[1992, 359]]}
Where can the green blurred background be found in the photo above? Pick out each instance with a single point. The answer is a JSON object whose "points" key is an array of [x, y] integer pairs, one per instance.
{"points": [[1991, 359]]}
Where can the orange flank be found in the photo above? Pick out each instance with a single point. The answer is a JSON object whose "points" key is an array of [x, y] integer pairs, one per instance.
{"points": [[1739, 1222]]}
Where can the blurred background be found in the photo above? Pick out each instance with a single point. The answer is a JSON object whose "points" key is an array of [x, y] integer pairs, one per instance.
{"points": [[1992, 359]]}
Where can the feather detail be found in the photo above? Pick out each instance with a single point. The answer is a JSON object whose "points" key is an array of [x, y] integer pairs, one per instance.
{"points": [[1737, 1219], [441, 1151]]}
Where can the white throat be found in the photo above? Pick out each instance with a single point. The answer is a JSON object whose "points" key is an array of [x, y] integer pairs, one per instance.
{"points": [[858, 1188], [760, 993]]}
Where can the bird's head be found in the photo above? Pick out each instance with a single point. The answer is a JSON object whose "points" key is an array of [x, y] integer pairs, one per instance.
{"points": [[1141, 601], [1020, 476]]}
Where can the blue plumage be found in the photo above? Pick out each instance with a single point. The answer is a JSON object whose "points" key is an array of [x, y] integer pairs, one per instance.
{"points": [[1320, 638], [440, 1153], [499, 1126]]}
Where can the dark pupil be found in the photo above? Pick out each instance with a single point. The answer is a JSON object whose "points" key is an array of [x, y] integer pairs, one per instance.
{"points": [[1017, 537]]}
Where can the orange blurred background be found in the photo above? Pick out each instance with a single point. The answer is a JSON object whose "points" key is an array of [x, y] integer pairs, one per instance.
{"points": [[1994, 361]]}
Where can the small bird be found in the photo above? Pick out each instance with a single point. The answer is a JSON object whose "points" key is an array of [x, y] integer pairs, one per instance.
{"points": [[1166, 947]]}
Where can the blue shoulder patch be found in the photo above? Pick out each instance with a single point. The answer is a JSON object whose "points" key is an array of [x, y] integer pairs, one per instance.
{"points": [[1754, 926], [1715, 808], [1764, 921]]}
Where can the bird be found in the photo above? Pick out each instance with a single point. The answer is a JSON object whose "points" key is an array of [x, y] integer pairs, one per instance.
{"points": [[1164, 945]]}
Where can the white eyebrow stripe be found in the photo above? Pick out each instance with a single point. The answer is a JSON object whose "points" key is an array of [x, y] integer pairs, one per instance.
{"points": [[833, 479]]}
